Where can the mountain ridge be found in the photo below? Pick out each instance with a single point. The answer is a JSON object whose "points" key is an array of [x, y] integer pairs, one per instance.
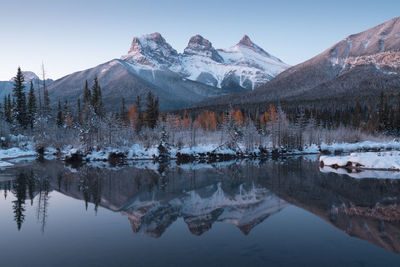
{"points": [[366, 62]]}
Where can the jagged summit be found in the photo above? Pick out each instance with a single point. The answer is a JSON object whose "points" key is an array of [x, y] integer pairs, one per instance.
{"points": [[143, 42], [151, 50], [244, 66], [198, 45], [246, 41]]}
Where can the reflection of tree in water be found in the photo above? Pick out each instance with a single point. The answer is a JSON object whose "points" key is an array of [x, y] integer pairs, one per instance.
{"points": [[90, 186], [19, 185], [26, 185], [43, 202], [154, 197]]}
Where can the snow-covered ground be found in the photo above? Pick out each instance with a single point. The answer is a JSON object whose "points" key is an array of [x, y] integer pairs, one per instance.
{"points": [[389, 160], [360, 146], [386, 155], [4, 164], [15, 152], [364, 164], [363, 174], [9, 156]]}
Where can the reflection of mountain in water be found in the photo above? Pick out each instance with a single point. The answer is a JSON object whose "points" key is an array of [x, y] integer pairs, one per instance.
{"points": [[241, 194], [244, 206]]}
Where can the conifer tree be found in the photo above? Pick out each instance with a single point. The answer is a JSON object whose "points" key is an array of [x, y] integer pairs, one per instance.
{"points": [[87, 96], [79, 111], [9, 109], [152, 110], [94, 92], [99, 104], [60, 118], [32, 109], [19, 96], [5, 107], [156, 109], [123, 111], [96, 100]]}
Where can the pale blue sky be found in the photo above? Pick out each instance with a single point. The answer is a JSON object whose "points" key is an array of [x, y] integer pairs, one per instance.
{"points": [[74, 35]]}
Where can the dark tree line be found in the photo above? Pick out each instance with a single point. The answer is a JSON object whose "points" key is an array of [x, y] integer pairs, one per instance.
{"points": [[373, 114]]}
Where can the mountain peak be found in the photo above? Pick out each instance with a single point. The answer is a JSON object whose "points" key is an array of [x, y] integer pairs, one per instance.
{"points": [[153, 40], [152, 50], [199, 42], [198, 45], [246, 41]]}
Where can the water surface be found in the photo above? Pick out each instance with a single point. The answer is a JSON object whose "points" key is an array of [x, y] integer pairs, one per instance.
{"points": [[274, 213]]}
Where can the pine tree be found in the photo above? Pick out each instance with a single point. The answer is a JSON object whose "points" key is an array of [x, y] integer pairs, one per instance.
{"points": [[79, 111], [87, 96], [152, 110], [19, 96], [9, 109], [32, 108], [123, 111], [5, 107], [96, 100], [60, 117], [94, 92], [100, 105], [156, 109]]}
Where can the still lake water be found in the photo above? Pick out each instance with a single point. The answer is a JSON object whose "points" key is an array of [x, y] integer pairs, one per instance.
{"points": [[275, 213]]}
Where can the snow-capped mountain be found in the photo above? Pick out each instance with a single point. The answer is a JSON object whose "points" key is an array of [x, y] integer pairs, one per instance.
{"points": [[178, 79], [151, 51], [244, 65], [361, 65]]}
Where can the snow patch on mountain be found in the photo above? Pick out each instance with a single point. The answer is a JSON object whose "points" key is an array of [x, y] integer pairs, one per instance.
{"points": [[244, 64], [151, 50]]}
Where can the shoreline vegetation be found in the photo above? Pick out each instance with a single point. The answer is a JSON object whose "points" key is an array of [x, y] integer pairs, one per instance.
{"points": [[85, 131]]}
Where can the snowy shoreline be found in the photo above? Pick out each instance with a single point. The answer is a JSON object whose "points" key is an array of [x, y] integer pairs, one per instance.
{"points": [[217, 153], [383, 161]]}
